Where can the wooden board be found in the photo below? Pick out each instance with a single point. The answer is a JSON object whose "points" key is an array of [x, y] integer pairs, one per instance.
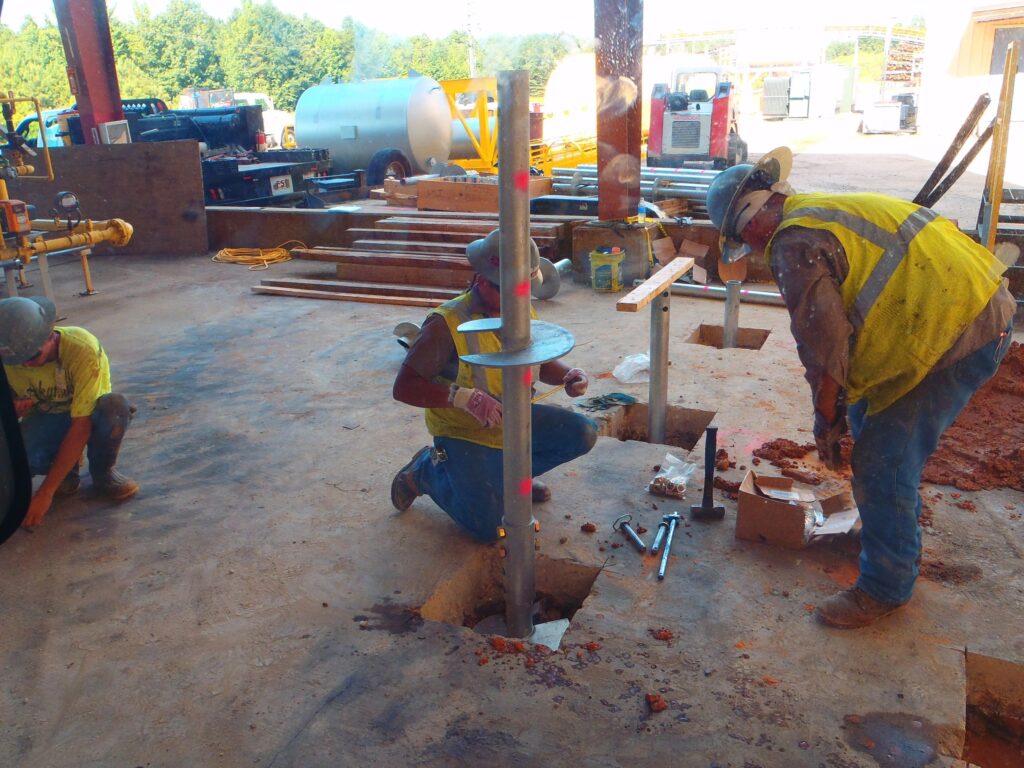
{"points": [[469, 193], [378, 289], [657, 283], [408, 301], [423, 276], [419, 260], [429, 236], [471, 227], [157, 187], [411, 246]]}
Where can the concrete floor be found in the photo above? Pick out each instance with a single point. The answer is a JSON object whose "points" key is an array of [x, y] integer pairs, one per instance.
{"points": [[254, 604]]}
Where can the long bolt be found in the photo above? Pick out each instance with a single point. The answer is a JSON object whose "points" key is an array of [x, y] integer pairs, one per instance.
{"points": [[659, 537], [672, 521], [622, 524]]}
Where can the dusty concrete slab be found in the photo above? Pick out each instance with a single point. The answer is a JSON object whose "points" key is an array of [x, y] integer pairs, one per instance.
{"points": [[255, 605]]}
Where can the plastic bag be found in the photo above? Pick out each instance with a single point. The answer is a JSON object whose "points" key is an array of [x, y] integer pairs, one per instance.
{"points": [[672, 478], [634, 369]]}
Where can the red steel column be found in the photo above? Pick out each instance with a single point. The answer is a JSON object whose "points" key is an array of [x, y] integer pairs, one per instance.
{"points": [[619, 33], [92, 74]]}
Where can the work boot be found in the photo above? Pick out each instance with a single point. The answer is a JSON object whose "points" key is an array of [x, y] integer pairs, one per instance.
{"points": [[403, 488], [541, 492], [69, 485], [114, 486], [852, 609], [110, 419]]}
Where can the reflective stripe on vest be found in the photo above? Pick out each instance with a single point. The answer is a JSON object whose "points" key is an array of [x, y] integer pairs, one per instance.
{"points": [[895, 247], [472, 342]]}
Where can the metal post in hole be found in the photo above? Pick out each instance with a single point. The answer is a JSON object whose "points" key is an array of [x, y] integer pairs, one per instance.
{"points": [[658, 395], [731, 329], [514, 223]]}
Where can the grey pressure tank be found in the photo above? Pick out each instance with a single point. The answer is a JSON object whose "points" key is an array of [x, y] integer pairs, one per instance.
{"points": [[355, 120]]}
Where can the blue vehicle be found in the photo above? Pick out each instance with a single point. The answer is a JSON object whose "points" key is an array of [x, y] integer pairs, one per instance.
{"points": [[28, 128]]}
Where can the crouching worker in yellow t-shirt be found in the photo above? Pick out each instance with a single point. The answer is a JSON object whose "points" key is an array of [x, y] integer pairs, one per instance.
{"points": [[60, 380]]}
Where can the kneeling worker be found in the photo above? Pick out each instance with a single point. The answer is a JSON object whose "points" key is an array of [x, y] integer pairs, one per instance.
{"points": [[897, 315], [462, 473], [60, 380]]}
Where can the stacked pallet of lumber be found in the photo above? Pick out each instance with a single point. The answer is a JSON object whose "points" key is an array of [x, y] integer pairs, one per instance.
{"points": [[413, 260]]}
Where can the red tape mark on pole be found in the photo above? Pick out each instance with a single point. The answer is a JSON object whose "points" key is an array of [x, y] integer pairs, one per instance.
{"points": [[523, 289], [527, 377], [526, 487], [522, 181]]}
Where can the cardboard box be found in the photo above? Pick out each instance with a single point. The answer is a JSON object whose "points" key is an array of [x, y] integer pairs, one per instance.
{"points": [[469, 193], [774, 510]]}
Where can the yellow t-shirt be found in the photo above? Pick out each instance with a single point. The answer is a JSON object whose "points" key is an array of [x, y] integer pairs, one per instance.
{"points": [[72, 383]]}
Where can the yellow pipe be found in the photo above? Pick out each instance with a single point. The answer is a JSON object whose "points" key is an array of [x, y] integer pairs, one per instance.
{"points": [[114, 231]]}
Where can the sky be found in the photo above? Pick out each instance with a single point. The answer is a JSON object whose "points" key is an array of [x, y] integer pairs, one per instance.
{"points": [[437, 18]]}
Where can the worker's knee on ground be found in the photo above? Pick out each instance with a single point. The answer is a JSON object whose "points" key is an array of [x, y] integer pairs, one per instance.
{"points": [[586, 434], [112, 414]]}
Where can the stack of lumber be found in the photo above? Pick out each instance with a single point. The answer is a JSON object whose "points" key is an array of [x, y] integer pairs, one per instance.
{"points": [[415, 260]]}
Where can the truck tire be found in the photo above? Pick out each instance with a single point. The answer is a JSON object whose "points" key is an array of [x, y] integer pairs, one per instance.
{"points": [[737, 152], [387, 164]]}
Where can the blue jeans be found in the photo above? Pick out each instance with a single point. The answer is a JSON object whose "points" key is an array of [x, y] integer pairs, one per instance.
{"points": [[889, 453], [469, 484], [43, 433]]}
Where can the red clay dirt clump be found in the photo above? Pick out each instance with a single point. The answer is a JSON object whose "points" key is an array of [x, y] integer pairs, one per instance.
{"points": [[781, 448], [984, 448]]}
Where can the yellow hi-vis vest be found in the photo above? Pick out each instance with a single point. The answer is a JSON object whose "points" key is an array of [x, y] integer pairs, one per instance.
{"points": [[453, 422], [916, 282]]}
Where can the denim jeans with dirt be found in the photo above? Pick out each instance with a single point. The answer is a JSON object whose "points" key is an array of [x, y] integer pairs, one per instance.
{"points": [[890, 451], [468, 482]]}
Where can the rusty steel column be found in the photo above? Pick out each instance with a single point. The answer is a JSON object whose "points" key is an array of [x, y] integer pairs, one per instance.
{"points": [[619, 33], [92, 74]]}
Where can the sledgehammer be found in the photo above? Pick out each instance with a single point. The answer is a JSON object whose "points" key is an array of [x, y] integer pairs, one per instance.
{"points": [[707, 510]]}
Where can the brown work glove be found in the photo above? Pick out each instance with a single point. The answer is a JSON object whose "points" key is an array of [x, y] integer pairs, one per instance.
{"points": [[827, 436]]}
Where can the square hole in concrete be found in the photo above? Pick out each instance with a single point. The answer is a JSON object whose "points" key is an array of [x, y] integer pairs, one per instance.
{"points": [[712, 336], [995, 713], [476, 590], [683, 426]]}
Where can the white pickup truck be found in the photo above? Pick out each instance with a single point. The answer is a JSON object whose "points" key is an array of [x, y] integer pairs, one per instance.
{"points": [[274, 120]]}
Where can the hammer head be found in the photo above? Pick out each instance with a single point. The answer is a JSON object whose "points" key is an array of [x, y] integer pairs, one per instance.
{"points": [[700, 512]]}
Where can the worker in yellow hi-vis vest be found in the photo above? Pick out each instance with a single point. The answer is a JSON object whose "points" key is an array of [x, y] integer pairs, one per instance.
{"points": [[899, 318], [462, 471]]}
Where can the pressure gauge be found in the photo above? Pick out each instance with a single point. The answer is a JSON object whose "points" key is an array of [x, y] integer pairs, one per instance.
{"points": [[67, 203]]}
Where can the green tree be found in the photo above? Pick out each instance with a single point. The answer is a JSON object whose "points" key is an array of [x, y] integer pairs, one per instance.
{"points": [[33, 64], [540, 54], [261, 50], [177, 48]]}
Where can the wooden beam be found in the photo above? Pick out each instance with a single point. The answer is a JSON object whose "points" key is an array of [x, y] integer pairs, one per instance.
{"points": [[402, 223], [432, 236], [374, 273], [300, 293], [657, 283], [411, 246], [390, 259], [378, 289]]}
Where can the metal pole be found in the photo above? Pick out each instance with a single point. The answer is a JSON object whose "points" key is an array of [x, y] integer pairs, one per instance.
{"points": [[658, 397], [718, 292], [514, 222], [730, 334]]}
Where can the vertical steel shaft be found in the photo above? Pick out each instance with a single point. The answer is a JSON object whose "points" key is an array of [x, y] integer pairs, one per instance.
{"points": [[658, 397], [731, 329], [514, 222]]}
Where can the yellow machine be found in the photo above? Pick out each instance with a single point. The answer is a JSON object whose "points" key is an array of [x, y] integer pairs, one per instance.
{"points": [[25, 238], [475, 132]]}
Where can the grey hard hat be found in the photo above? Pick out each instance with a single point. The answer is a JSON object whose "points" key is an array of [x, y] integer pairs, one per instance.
{"points": [[25, 325], [732, 184], [484, 258]]}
